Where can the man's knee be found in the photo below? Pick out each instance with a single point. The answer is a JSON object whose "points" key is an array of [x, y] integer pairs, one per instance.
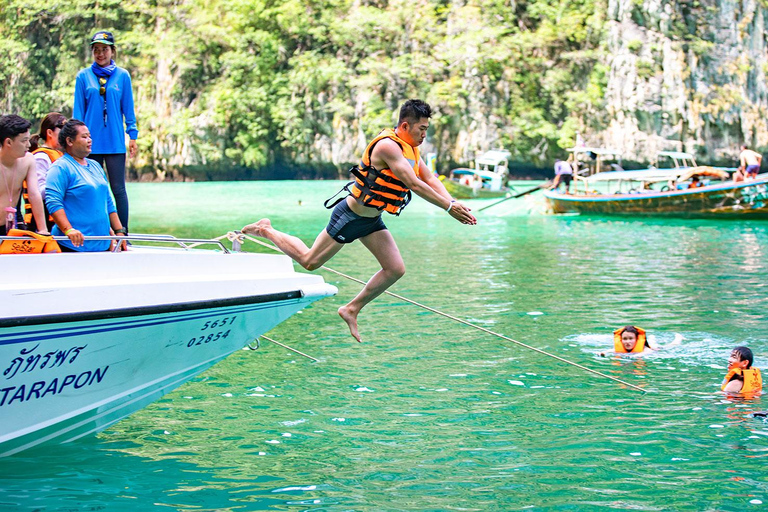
{"points": [[397, 271]]}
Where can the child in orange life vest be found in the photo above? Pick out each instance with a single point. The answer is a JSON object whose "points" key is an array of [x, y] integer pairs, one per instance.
{"points": [[741, 377]]}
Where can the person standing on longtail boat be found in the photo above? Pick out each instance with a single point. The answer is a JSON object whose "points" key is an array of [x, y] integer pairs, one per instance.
{"points": [[391, 168]]}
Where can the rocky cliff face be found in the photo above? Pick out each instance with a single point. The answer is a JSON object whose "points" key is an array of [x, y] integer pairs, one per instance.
{"points": [[685, 75]]}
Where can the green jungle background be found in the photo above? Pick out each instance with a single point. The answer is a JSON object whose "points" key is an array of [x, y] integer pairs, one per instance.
{"points": [[247, 89]]}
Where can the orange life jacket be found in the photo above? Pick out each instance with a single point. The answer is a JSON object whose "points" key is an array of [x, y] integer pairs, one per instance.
{"points": [[53, 154], [380, 188], [642, 342], [35, 244], [753, 381]]}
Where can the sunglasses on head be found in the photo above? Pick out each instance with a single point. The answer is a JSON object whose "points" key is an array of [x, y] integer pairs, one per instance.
{"points": [[103, 83]]}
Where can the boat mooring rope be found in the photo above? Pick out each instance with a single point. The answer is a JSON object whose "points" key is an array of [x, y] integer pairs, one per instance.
{"points": [[289, 348], [456, 319]]}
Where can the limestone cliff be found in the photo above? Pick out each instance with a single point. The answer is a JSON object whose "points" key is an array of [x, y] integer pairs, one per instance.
{"points": [[693, 72]]}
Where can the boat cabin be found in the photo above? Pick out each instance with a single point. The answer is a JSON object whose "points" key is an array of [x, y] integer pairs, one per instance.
{"points": [[490, 171], [679, 159], [592, 160]]}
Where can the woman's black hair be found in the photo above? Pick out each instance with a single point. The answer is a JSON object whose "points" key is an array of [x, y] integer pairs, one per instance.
{"points": [[632, 329], [69, 131], [49, 122]]}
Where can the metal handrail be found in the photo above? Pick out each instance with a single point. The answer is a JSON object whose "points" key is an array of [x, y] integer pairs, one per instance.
{"points": [[182, 242]]}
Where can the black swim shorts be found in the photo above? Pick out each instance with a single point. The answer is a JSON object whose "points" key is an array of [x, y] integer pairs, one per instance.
{"points": [[346, 226]]}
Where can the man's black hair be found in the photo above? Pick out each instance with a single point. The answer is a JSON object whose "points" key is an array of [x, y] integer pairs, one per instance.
{"points": [[744, 355], [413, 110], [69, 131], [11, 126]]}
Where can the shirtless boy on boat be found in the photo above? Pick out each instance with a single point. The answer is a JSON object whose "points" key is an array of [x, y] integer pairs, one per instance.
{"points": [[17, 165], [390, 169]]}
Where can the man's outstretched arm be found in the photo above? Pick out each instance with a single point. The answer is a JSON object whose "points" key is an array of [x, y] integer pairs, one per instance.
{"points": [[390, 153]]}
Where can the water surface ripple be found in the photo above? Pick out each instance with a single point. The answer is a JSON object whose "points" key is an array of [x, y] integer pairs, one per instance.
{"points": [[429, 414]]}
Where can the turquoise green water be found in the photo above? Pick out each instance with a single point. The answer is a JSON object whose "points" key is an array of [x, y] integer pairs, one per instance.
{"points": [[428, 414]]}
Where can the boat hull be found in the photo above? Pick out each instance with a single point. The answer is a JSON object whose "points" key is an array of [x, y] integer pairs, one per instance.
{"points": [[73, 372], [744, 200], [459, 191]]}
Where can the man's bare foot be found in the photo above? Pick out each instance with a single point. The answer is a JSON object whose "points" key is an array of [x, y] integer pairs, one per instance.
{"points": [[257, 228], [351, 318]]}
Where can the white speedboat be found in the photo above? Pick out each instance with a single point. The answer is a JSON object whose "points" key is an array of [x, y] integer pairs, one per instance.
{"points": [[87, 339]]}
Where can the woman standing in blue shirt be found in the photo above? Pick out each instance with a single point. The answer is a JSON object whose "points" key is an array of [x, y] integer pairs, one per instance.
{"points": [[103, 97]]}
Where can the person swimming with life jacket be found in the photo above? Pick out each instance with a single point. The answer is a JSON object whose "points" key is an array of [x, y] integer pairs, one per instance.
{"points": [[390, 169], [741, 377], [631, 339]]}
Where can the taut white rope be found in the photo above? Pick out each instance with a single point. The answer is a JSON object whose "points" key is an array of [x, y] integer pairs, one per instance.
{"points": [[446, 315]]}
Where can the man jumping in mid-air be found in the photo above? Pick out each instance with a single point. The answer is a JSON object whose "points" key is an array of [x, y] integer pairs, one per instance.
{"points": [[390, 169]]}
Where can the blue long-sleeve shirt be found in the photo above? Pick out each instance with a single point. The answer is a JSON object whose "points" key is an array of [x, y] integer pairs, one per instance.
{"points": [[89, 108], [83, 192]]}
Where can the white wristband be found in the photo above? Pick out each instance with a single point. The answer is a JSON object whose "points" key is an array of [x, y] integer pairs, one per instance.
{"points": [[450, 205]]}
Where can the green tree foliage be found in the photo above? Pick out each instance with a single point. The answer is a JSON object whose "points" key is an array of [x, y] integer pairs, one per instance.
{"points": [[260, 83]]}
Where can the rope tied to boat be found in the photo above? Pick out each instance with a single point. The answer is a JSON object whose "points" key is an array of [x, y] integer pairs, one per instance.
{"points": [[459, 320]]}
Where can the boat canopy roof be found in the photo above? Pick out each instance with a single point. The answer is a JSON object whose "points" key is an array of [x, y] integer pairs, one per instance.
{"points": [[654, 175], [493, 157], [597, 151], [486, 175], [679, 155], [641, 175]]}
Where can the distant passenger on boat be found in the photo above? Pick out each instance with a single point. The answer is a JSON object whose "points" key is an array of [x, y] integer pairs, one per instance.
{"points": [[16, 166], [563, 175], [741, 377], [695, 183], [750, 161], [391, 168], [78, 196]]}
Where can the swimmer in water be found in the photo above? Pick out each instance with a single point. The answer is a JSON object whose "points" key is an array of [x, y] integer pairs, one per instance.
{"points": [[741, 377], [632, 339]]}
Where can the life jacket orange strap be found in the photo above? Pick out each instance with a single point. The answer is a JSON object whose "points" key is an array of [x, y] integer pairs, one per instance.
{"points": [[36, 244]]}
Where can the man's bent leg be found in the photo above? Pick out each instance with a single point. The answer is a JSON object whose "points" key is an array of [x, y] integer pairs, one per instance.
{"points": [[382, 245], [310, 258]]}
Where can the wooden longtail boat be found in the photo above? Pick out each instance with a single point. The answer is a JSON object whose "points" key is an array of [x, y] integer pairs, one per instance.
{"points": [[670, 192]]}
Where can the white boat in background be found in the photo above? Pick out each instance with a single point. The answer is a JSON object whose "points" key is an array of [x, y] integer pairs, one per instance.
{"points": [[87, 339], [488, 179]]}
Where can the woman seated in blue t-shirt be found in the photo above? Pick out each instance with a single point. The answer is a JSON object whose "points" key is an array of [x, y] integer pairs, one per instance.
{"points": [[77, 194]]}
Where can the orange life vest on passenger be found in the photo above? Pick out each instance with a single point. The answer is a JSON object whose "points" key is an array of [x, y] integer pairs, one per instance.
{"points": [[642, 342], [33, 245], [380, 188], [753, 381], [53, 154]]}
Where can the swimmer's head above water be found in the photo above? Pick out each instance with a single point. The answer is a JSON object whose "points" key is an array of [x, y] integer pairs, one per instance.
{"points": [[629, 338]]}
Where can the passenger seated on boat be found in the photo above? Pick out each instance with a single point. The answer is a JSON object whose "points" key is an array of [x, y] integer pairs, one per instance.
{"points": [[695, 183], [78, 196], [466, 180], [741, 377], [738, 175]]}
